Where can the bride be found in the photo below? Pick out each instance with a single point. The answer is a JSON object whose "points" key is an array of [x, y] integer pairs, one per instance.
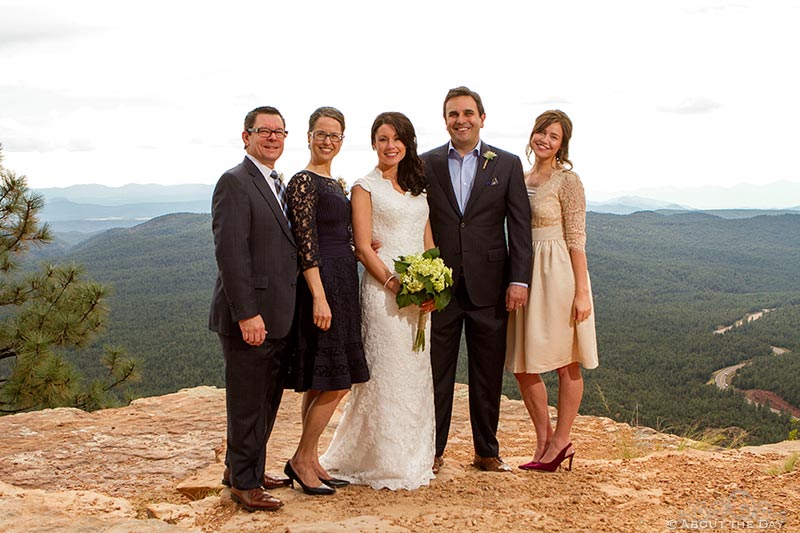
{"points": [[385, 438]]}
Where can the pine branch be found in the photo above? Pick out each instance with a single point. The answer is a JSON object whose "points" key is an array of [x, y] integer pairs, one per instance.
{"points": [[122, 379], [12, 411]]}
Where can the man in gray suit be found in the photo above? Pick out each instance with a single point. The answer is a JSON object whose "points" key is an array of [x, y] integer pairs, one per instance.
{"points": [[253, 303], [477, 196]]}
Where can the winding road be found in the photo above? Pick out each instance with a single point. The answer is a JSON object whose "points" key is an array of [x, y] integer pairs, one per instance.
{"points": [[723, 377]]}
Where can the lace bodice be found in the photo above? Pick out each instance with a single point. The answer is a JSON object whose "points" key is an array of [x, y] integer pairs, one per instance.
{"points": [[560, 201], [389, 209], [320, 215]]}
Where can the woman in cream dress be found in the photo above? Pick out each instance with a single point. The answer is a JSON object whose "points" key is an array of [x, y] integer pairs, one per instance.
{"points": [[555, 331]]}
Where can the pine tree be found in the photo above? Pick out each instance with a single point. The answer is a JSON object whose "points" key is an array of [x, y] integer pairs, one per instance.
{"points": [[44, 313]]}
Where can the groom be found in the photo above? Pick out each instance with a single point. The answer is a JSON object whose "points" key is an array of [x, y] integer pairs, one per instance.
{"points": [[474, 192]]}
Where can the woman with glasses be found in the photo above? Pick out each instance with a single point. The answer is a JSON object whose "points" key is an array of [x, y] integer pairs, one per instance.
{"points": [[329, 355], [385, 436]]}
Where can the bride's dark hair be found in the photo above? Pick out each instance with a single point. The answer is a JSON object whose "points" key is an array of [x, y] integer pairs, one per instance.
{"points": [[410, 171]]}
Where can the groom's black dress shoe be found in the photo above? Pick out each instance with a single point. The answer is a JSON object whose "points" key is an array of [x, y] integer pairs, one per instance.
{"points": [[490, 464], [268, 482], [438, 462]]}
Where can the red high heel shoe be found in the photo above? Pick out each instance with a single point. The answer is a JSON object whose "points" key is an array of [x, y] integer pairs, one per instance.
{"points": [[553, 465]]}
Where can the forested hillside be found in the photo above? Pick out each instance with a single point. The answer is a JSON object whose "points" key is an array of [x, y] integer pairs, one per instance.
{"points": [[779, 371], [162, 273], [662, 285]]}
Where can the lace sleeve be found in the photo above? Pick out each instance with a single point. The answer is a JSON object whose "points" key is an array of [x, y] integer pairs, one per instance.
{"points": [[302, 200], [573, 209], [365, 183]]}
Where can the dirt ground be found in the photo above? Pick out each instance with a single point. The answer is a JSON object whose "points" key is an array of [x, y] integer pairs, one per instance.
{"points": [[153, 453]]}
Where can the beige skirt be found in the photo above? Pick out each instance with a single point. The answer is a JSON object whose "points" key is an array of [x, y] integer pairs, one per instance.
{"points": [[543, 335]]}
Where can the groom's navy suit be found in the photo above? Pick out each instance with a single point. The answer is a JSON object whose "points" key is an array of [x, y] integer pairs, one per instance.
{"points": [[257, 261], [474, 244]]}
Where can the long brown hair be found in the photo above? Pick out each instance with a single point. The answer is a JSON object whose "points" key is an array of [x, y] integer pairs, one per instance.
{"points": [[541, 124]]}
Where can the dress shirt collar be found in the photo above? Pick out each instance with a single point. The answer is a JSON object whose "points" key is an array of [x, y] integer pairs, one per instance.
{"points": [[475, 151], [265, 170]]}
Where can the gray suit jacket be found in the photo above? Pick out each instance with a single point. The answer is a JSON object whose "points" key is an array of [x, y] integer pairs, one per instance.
{"points": [[474, 242], [256, 255]]}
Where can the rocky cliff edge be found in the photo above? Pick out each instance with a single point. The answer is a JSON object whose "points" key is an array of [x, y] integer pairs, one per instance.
{"points": [[156, 465]]}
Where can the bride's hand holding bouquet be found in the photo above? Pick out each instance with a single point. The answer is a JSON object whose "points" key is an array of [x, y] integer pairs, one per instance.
{"points": [[425, 281]]}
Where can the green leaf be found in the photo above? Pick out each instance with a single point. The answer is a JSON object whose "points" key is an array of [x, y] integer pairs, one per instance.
{"points": [[400, 266], [442, 299], [404, 300], [431, 253]]}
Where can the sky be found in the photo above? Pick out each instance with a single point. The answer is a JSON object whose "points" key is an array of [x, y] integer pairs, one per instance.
{"points": [[662, 94]]}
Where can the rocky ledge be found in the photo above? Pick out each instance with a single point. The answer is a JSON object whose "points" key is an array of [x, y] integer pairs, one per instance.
{"points": [[156, 465]]}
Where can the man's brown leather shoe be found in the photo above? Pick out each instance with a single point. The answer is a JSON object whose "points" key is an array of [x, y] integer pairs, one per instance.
{"points": [[438, 461], [255, 499], [490, 464], [268, 482]]}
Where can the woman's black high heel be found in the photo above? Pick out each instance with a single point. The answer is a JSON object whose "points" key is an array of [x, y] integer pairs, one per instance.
{"points": [[314, 491], [335, 483]]}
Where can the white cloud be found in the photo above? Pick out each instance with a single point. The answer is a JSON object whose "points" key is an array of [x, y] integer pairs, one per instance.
{"points": [[660, 93]]}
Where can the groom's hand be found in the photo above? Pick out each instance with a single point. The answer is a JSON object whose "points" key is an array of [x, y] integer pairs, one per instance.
{"points": [[516, 297]]}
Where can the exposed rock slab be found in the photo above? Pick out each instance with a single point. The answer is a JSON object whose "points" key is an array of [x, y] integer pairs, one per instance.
{"points": [[156, 466]]}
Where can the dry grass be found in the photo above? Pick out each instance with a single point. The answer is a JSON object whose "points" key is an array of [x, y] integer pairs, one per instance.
{"points": [[785, 468]]}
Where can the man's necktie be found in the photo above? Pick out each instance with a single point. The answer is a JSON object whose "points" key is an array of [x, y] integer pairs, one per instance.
{"points": [[281, 190]]}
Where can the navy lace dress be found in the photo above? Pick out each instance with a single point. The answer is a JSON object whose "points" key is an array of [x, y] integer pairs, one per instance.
{"points": [[320, 216]]}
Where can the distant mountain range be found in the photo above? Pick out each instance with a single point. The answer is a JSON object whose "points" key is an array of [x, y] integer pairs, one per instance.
{"points": [[130, 194], [776, 195], [625, 205], [78, 211]]}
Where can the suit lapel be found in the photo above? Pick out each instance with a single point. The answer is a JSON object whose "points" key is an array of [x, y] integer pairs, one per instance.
{"points": [[442, 171], [482, 176], [261, 184]]}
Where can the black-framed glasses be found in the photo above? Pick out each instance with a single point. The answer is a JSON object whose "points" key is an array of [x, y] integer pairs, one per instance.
{"points": [[266, 132], [320, 136]]}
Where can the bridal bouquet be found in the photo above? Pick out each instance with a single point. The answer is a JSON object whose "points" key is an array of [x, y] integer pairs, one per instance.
{"points": [[423, 277]]}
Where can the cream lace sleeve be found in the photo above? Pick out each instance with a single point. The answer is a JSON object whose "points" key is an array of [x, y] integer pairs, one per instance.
{"points": [[573, 208], [366, 182]]}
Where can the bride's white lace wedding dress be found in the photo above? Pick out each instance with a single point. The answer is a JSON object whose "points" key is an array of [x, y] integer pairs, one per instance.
{"points": [[385, 438]]}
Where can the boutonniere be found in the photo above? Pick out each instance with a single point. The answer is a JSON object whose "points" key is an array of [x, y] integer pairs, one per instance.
{"points": [[488, 155], [280, 177], [343, 185]]}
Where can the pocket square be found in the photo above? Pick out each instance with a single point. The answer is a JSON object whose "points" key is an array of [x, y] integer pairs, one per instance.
{"points": [[492, 182]]}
